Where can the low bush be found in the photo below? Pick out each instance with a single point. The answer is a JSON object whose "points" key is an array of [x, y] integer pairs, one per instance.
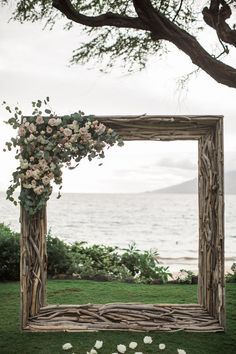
{"points": [[144, 266], [59, 256], [9, 254], [95, 262], [231, 277]]}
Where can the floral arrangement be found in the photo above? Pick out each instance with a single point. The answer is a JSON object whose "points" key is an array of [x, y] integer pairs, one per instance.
{"points": [[122, 348], [45, 144]]}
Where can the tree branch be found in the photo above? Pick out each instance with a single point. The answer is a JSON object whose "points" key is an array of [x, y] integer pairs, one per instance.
{"points": [[108, 19], [178, 11], [162, 28], [215, 16]]}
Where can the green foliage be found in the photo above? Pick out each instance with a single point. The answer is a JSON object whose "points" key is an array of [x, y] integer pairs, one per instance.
{"points": [[59, 258], [231, 277], [96, 262], [144, 266], [108, 44], [9, 254], [45, 144]]}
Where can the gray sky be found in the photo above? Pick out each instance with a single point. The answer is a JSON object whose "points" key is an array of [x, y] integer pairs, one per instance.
{"points": [[34, 64]]}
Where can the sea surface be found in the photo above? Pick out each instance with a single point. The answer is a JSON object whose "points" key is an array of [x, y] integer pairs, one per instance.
{"points": [[166, 222]]}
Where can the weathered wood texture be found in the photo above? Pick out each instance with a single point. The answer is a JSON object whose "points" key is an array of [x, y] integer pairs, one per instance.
{"points": [[147, 127], [121, 316], [209, 314], [33, 264], [211, 287]]}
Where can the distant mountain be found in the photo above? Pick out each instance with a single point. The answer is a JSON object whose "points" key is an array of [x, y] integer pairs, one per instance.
{"points": [[190, 187]]}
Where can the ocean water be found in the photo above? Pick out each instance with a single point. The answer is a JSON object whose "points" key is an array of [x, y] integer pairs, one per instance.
{"points": [[168, 223]]}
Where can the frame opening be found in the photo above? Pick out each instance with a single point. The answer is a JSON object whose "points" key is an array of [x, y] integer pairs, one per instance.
{"points": [[209, 313]]}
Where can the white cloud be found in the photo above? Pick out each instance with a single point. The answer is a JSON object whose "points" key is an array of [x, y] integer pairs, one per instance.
{"points": [[183, 164]]}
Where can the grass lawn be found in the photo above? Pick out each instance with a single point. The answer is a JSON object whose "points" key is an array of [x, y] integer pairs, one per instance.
{"points": [[12, 341]]}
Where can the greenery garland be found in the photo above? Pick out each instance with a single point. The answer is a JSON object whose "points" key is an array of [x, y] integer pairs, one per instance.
{"points": [[45, 144]]}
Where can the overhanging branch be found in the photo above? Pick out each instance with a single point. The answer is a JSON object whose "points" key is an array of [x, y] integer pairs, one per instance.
{"points": [[215, 16], [107, 19], [162, 28]]}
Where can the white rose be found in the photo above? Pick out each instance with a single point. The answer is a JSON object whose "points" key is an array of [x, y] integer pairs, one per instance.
{"points": [[66, 346], [31, 137], [39, 120], [121, 348], [92, 351], [98, 344], [24, 164], [52, 122], [33, 183], [21, 131], [32, 128], [36, 174], [46, 180], [68, 145], [162, 346], [87, 125], [49, 130], [51, 175], [58, 121], [74, 138], [133, 345], [147, 340], [52, 166], [27, 185], [41, 140], [29, 173], [39, 190], [83, 130], [67, 132], [181, 351], [100, 129]]}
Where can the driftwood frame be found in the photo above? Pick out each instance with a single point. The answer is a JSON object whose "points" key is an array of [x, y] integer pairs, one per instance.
{"points": [[209, 314]]}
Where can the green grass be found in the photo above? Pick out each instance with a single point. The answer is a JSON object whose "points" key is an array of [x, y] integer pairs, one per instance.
{"points": [[13, 341]]}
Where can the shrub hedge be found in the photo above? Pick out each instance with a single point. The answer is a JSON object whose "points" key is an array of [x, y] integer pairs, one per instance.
{"points": [[95, 262]]}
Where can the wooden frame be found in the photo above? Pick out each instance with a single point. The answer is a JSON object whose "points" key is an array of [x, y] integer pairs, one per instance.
{"points": [[209, 313]]}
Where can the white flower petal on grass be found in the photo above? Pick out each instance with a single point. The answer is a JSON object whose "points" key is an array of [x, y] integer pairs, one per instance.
{"points": [[133, 345], [98, 344], [93, 351], [147, 340], [121, 348], [138, 353], [162, 346], [66, 346], [181, 351]]}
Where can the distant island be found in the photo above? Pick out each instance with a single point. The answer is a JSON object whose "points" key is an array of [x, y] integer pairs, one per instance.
{"points": [[190, 187]]}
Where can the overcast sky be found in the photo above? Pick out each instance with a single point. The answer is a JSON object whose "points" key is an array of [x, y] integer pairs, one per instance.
{"points": [[34, 64]]}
